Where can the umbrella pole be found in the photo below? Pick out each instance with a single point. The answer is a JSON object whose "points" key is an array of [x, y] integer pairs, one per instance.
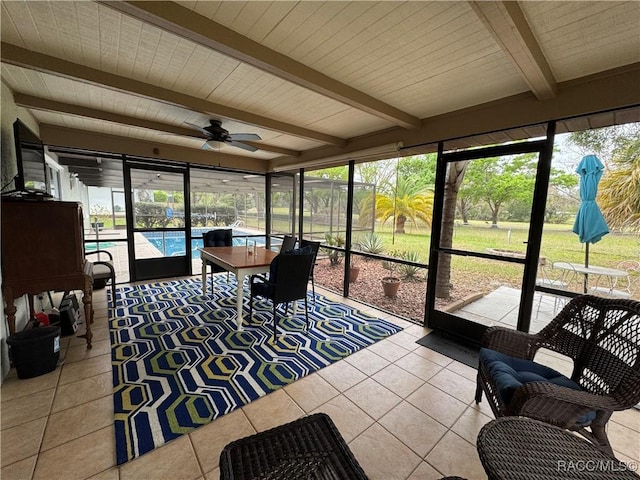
{"points": [[586, 265]]}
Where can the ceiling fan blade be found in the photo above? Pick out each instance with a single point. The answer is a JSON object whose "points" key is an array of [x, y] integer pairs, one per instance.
{"points": [[198, 127], [206, 146], [244, 136], [244, 146]]}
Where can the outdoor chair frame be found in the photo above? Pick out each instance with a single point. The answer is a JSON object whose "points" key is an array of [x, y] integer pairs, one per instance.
{"points": [[104, 270]]}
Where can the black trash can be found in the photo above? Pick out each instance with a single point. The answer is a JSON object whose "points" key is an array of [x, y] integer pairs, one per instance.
{"points": [[35, 351]]}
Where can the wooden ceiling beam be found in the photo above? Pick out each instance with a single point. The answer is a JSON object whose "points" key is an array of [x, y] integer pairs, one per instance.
{"points": [[510, 28], [186, 23], [21, 57]]}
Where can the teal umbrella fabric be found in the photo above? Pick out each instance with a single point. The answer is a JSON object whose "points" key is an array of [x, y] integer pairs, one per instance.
{"points": [[590, 225]]}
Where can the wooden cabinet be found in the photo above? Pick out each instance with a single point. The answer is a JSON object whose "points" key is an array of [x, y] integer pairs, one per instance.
{"points": [[43, 250]]}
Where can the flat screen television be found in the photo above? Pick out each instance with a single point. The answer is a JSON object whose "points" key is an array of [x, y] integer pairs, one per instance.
{"points": [[32, 170]]}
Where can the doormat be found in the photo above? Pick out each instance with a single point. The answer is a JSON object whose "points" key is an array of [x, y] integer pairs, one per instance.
{"points": [[452, 348]]}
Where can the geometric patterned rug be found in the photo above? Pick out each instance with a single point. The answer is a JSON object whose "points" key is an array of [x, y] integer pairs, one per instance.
{"points": [[178, 362]]}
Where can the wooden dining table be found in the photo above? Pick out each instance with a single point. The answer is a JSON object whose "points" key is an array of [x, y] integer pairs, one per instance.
{"points": [[241, 261]]}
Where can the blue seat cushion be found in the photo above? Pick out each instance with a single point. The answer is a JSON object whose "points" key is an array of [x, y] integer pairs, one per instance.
{"points": [[510, 373]]}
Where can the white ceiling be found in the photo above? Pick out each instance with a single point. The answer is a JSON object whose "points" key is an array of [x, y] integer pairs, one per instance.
{"points": [[311, 78]]}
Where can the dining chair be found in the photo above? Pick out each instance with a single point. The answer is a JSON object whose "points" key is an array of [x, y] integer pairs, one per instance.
{"points": [[287, 282], [103, 272], [288, 243], [625, 287], [556, 279], [220, 237], [315, 247]]}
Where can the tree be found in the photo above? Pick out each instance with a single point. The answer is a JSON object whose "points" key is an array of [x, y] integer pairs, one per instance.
{"points": [[421, 168], [380, 173], [498, 180], [562, 196], [408, 201], [619, 191], [603, 142], [160, 196], [453, 181], [333, 173]]}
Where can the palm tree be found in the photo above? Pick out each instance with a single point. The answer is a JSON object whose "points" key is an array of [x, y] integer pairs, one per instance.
{"points": [[619, 189], [408, 200], [455, 176]]}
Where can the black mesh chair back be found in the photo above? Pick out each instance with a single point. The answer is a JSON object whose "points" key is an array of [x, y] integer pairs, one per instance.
{"points": [[288, 243], [220, 237], [315, 247], [287, 282]]}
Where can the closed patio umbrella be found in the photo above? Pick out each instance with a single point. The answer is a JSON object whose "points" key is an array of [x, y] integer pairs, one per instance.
{"points": [[590, 225]]}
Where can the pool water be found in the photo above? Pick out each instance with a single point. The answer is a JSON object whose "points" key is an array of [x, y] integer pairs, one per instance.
{"points": [[92, 246], [172, 244]]}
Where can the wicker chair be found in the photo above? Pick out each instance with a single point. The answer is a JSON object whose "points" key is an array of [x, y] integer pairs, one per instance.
{"points": [[600, 335]]}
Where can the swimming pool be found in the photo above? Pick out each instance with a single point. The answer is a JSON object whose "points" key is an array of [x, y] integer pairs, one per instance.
{"points": [[103, 245], [172, 244]]}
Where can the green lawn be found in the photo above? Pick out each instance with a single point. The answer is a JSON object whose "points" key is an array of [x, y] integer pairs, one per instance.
{"points": [[559, 243]]}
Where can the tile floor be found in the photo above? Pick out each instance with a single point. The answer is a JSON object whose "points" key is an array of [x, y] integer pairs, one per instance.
{"points": [[406, 412]]}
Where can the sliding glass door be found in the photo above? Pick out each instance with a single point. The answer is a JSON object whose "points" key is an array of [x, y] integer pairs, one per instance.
{"points": [[482, 268], [159, 241]]}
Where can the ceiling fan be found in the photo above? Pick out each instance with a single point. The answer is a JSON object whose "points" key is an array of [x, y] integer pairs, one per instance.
{"points": [[215, 133]]}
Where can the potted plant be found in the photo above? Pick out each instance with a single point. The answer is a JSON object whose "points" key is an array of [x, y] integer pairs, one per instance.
{"points": [[354, 270], [390, 283]]}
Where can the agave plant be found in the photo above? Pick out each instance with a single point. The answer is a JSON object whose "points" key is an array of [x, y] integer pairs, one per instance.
{"points": [[371, 243], [409, 272]]}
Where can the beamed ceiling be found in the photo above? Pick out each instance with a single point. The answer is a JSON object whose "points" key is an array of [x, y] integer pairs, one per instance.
{"points": [[314, 79]]}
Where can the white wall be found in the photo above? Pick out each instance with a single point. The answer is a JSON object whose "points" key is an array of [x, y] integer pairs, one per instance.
{"points": [[8, 168]]}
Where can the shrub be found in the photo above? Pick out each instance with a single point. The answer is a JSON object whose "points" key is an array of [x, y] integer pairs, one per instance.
{"points": [[390, 264], [335, 256], [409, 272], [204, 216], [371, 243], [151, 215]]}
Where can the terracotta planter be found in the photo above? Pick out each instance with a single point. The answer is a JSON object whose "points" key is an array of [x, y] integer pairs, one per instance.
{"points": [[353, 274], [390, 286]]}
